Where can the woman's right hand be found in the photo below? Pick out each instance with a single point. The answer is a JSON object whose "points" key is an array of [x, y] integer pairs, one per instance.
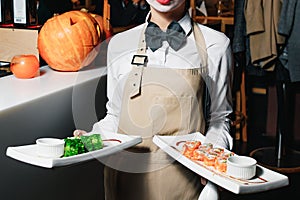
{"points": [[78, 133]]}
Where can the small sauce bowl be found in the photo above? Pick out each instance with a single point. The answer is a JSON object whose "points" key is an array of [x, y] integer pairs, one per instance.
{"points": [[241, 167], [50, 147]]}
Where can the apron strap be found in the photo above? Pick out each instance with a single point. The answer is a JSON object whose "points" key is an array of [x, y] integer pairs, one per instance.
{"points": [[139, 61], [140, 58], [201, 45]]}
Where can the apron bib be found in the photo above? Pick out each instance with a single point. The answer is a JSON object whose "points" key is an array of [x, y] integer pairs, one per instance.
{"points": [[161, 101]]}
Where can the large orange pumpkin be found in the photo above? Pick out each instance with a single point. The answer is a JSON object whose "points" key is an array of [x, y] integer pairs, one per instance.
{"points": [[68, 42]]}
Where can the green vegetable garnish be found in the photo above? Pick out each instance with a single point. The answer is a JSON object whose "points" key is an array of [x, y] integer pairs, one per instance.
{"points": [[75, 146], [92, 142]]}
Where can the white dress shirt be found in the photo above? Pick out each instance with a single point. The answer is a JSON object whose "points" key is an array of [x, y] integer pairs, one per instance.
{"points": [[124, 45]]}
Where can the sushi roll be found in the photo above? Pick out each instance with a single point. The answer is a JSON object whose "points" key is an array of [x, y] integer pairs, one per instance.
{"points": [[209, 159], [189, 147], [199, 155], [221, 164]]}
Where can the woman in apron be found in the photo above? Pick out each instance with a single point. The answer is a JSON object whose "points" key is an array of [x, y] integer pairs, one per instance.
{"points": [[158, 77]]}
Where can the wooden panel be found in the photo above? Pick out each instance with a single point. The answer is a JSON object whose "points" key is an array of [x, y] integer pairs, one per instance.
{"points": [[224, 21], [17, 41]]}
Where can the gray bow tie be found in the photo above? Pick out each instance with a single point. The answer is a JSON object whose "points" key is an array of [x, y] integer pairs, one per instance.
{"points": [[174, 35]]}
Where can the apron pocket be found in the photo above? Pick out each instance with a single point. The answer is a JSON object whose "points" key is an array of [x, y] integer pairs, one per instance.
{"points": [[171, 115]]}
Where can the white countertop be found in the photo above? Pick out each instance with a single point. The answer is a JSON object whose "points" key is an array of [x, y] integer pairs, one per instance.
{"points": [[16, 91]]}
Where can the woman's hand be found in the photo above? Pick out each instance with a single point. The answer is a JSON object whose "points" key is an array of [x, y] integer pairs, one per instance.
{"points": [[209, 192], [203, 181], [78, 133]]}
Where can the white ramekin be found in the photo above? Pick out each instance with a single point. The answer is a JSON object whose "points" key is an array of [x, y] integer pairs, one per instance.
{"points": [[242, 167], [50, 147]]}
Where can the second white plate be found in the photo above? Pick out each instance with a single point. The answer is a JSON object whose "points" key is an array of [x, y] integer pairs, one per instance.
{"points": [[264, 179], [114, 143]]}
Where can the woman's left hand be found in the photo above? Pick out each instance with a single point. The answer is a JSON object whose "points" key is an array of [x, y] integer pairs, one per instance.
{"points": [[209, 192], [78, 133]]}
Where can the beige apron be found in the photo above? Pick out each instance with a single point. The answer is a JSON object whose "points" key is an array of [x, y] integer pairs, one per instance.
{"points": [[159, 101]]}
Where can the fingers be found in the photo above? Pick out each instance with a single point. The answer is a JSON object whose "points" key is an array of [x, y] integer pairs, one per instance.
{"points": [[203, 181], [78, 133]]}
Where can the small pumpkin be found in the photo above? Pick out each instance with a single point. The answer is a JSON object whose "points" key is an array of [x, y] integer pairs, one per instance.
{"points": [[68, 42]]}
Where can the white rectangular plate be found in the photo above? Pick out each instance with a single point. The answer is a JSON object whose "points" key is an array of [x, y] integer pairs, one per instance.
{"points": [[264, 180], [28, 153]]}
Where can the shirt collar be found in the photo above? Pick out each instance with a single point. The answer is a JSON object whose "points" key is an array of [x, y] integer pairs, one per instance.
{"points": [[186, 23]]}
